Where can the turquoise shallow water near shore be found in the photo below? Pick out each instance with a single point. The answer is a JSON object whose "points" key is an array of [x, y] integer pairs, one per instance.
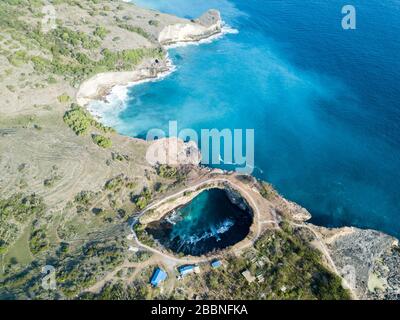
{"points": [[324, 102]]}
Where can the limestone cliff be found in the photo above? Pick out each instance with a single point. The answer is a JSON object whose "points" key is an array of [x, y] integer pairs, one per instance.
{"points": [[207, 25]]}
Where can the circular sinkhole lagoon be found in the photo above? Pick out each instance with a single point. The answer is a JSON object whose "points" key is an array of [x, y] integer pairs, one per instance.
{"points": [[213, 220]]}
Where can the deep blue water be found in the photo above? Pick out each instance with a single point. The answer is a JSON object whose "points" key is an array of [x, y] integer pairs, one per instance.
{"points": [[210, 221], [324, 102]]}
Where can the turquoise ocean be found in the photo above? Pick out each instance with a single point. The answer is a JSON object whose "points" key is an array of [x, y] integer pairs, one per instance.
{"points": [[324, 102]]}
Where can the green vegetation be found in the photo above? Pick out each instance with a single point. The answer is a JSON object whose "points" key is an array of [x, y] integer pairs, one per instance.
{"points": [[100, 32], [85, 198], [168, 172], [140, 256], [51, 181], [119, 157], [288, 269], [38, 241], [85, 269], [80, 121], [102, 141], [138, 290], [115, 183], [64, 98], [143, 236], [18, 58], [64, 51], [142, 200], [14, 213], [266, 190]]}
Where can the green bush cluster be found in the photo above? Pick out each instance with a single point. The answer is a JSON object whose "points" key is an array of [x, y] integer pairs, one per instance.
{"points": [[154, 23], [85, 269], [20, 207], [49, 182], [115, 183], [291, 270], [80, 120], [85, 198], [64, 98], [38, 241], [143, 236], [100, 32], [69, 61], [138, 290], [15, 211], [142, 200], [168, 172], [101, 141], [266, 190], [18, 58], [77, 39], [66, 52]]}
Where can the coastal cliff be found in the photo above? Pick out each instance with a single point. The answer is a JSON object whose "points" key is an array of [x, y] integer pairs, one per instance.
{"points": [[100, 85], [69, 200], [207, 25]]}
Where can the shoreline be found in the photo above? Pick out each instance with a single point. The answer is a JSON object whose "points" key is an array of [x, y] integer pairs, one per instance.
{"points": [[110, 86], [117, 84], [331, 240]]}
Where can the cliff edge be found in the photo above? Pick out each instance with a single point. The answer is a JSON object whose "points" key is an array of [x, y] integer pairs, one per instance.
{"points": [[209, 24]]}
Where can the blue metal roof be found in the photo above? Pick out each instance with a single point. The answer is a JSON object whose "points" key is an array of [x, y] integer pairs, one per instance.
{"points": [[185, 269], [216, 263], [159, 275]]}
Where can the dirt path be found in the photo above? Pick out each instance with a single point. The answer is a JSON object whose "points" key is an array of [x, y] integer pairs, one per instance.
{"points": [[262, 218], [327, 255]]}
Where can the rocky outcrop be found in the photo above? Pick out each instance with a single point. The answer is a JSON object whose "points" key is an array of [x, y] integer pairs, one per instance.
{"points": [[160, 211], [368, 260], [206, 26], [236, 198], [173, 152], [97, 87]]}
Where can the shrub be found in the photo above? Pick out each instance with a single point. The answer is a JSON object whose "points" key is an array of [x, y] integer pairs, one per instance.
{"points": [[114, 183], [101, 32], [80, 120], [154, 23], [64, 98], [19, 58], [102, 141], [38, 241], [166, 171]]}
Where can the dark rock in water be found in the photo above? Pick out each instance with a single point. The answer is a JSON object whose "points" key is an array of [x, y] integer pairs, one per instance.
{"points": [[210, 222]]}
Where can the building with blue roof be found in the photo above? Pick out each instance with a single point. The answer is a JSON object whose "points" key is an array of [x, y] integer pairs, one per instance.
{"points": [[216, 264], [159, 276], [187, 269]]}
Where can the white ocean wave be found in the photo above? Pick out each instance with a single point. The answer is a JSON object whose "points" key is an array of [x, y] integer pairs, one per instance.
{"points": [[108, 111], [226, 29], [215, 231]]}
